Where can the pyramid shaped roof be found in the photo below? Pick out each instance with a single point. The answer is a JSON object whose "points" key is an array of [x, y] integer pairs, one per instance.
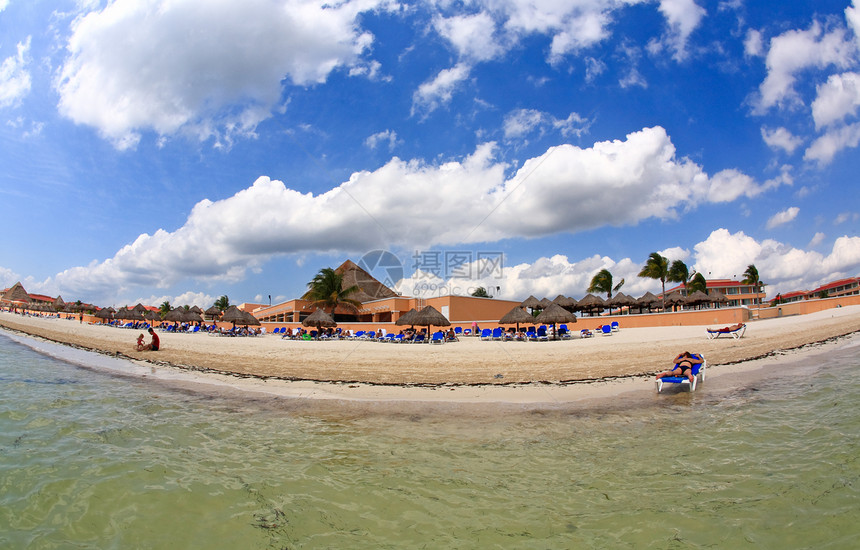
{"points": [[369, 288], [16, 294]]}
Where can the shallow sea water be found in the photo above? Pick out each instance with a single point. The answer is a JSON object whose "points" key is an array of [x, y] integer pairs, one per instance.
{"points": [[90, 459]]}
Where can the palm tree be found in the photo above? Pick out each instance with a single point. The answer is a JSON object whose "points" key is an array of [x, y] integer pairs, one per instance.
{"points": [[657, 267], [222, 303], [751, 278], [602, 282], [326, 290], [480, 292], [679, 273], [164, 308], [697, 282]]}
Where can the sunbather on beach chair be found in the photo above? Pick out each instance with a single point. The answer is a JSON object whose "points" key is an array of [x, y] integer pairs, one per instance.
{"points": [[735, 331], [687, 368]]}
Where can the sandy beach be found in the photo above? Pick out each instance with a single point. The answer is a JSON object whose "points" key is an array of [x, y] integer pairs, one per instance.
{"points": [[471, 369]]}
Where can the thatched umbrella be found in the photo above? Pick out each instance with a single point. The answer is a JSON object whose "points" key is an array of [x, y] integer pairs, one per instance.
{"points": [[152, 316], [531, 302], [430, 316], [555, 314], [566, 302], [620, 300], [718, 297], [407, 318], [545, 303], [674, 299], [517, 315], [17, 295], [213, 313], [234, 315], [698, 298], [196, 310], [250, 319], [139, 308], [175, 315], [648, 300], [591, 303], [59, 304], [191, 317], [105, 314], [319, 318]]}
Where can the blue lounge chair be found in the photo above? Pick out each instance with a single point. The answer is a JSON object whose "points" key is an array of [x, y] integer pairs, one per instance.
{"points": [[438, 338], [530, 335], [497, 333], [458, 330], [585, 333], [615, 326], [606, 330], [486, 334], [698, 372], [541, 333]]}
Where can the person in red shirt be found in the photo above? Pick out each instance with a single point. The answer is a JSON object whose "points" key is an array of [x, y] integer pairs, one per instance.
{"points": [[155, 344]]}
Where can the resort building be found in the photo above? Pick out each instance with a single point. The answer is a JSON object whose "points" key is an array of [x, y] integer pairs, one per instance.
{"points": [[738, 294], [834, 289], [380, 304]]}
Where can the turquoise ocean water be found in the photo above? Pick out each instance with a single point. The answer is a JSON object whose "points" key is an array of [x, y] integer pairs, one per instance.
{"points": [[91, 459]]}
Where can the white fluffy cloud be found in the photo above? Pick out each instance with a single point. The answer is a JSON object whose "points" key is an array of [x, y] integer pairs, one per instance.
{"points": [[388, 137], [438, 91], [15, 79], [825, 147], [783, 217], [212, 69], [473, 36], [781, 138], [837, 98], [682, 17], [723, 255], [798, 50], [568, 189]]}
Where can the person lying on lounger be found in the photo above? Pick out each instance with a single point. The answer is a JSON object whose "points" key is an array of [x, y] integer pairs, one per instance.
{"points": [[683, 366]]}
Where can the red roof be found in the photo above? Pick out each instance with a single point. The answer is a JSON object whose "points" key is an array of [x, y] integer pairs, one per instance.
{"points": [[835, 284]]}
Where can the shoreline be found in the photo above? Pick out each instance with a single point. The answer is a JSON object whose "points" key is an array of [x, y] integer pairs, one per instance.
{"points": [[545, 389]]}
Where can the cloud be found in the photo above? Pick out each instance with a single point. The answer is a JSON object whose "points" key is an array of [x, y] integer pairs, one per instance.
{"points": [[795, 51], [565, 190], [15, 81], [838, 98], [784, 217], [845, 217], [473, 36], [816, 240], [753, 43], [437, 92], [386, 136], [784, 268], [723, 255], [213, 69], [825, 147], [682, 17], [522, 122], [780, 138]]}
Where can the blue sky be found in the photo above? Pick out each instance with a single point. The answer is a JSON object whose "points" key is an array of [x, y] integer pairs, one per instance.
{"points": [[180, 150]]}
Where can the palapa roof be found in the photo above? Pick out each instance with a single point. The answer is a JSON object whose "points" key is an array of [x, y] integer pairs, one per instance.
{"points": [[319, 318], [515, 316], [590, 301], [530, 302], [555, 314], [16, 294], [699, 297], [369, 289], [649, 298], [407, 318], [564, 301], [430, 316]]}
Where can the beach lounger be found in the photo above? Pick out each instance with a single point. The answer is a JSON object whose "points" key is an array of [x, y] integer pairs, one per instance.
{"points": [[735, 333], [606, 330], [541, 333], [585, 333], [486, 334], [698, 374], [438, 338], [497, 333], [615, 326]]}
